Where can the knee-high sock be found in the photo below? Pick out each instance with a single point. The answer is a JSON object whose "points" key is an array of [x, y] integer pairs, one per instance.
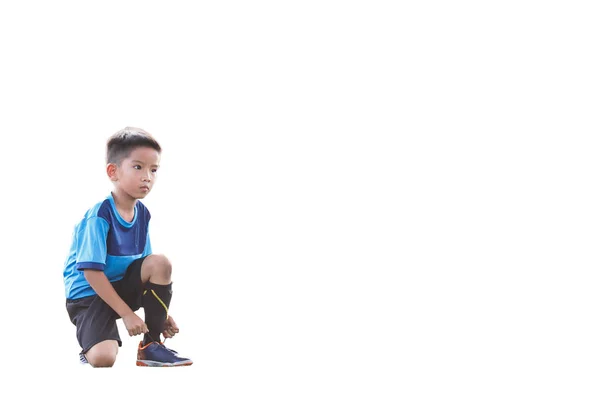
{"points": [[156, 302]]}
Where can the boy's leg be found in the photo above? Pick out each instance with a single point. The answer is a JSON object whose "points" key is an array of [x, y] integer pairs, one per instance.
{"points": [[97, 331], [156, 298], [152, 278], [148, 281]]}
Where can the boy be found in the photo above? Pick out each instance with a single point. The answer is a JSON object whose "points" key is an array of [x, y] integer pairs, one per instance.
{"points": [[110, 271]]}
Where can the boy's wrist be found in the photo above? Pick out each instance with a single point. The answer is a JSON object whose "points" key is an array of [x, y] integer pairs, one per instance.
{"points": [[124, 311]]}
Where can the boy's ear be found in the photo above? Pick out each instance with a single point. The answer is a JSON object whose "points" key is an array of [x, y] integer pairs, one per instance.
{"points": [[111, 171]]}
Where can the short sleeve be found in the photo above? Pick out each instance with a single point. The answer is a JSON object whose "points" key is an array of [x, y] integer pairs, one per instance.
{"points": [[91, 244]]}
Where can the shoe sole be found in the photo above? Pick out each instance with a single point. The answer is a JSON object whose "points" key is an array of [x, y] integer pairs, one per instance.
{"points": [[149, 363]]}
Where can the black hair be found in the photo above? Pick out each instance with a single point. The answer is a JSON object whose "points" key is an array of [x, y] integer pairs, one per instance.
{"points": [[122, 143]]}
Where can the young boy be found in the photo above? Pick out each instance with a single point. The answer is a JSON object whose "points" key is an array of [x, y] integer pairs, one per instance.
{"points": [[110, 271]]}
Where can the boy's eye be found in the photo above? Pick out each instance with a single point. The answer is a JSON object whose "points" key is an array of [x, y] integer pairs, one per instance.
{"points": [[154, 170], [137, 167]]}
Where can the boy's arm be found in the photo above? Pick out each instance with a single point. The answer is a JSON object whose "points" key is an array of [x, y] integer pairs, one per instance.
{"points": [[101, 285]]}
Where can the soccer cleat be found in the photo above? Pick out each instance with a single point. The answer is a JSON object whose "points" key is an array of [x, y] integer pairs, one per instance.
{"points": [[155, 354]]}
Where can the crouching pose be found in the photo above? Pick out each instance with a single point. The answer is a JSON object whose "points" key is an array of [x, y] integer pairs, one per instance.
{"points": [[110, 271]]}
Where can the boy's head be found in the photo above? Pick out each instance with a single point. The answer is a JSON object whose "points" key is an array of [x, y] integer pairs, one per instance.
{"points": [[121, 144], [132, 157]]}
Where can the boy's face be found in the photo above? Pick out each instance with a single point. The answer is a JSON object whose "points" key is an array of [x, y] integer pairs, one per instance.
{"points": [[137, 173]]}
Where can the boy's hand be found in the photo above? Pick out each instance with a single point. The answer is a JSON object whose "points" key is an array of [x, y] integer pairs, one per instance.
{"points": [[170, 328], [134, 324]]}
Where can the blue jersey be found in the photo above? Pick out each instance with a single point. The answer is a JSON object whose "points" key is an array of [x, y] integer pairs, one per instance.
{"points": [[104, 241]]}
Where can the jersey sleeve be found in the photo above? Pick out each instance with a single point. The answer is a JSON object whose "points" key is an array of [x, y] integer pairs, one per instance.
{"points": [[91, 244]]}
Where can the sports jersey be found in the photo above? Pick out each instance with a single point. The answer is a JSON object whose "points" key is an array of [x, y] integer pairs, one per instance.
{"points": [[104, 241]]}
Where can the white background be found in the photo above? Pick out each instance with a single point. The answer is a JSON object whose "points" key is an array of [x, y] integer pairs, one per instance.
{"points": [[360, 199]]}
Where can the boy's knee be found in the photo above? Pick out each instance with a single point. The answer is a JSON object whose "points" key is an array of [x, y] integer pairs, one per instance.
{"points": [[159, 265], [103, 354]]}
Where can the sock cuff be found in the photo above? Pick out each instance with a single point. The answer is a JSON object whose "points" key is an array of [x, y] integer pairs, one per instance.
{"points": [[149, 285]]}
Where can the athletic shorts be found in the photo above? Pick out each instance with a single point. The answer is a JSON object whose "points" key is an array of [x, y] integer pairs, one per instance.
{"points": [[95, 320]]}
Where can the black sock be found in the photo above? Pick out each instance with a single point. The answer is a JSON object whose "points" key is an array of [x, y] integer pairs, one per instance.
{"points": [[156, 302]]}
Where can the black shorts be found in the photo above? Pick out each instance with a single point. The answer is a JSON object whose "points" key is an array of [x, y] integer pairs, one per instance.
{"points": [[95, 320]]}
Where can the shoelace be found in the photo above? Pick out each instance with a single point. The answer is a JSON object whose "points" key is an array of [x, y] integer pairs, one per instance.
{"points": [[163, 344]]}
